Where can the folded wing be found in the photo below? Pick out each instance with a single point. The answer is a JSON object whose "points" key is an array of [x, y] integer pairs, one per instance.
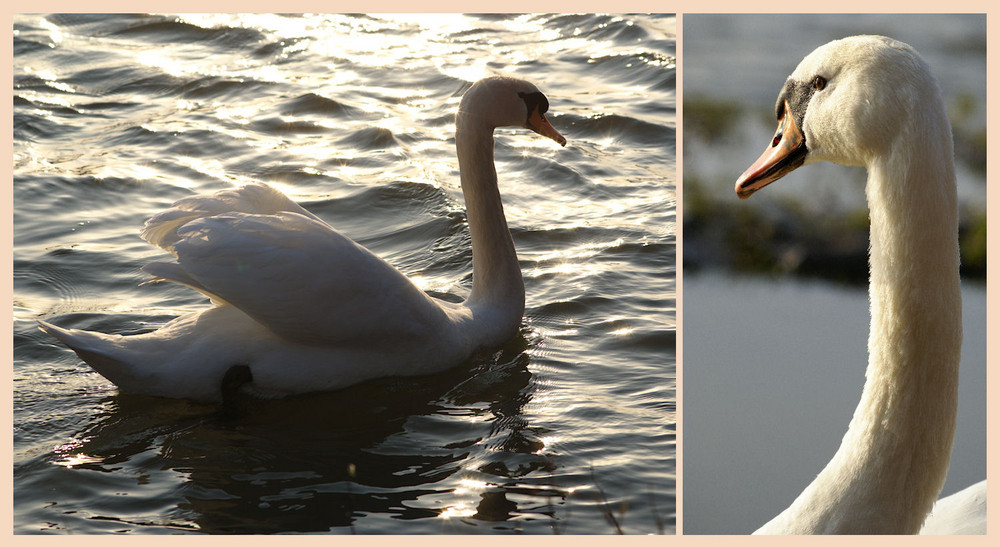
{"points": [[161, 229], [289, 271]]}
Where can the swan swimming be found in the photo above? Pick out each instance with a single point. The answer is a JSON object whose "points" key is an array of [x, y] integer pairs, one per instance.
{"points": [[871, 101], [299, 307]]}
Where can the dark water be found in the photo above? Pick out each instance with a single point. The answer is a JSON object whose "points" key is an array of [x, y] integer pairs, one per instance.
{"points": [[568, 428]]}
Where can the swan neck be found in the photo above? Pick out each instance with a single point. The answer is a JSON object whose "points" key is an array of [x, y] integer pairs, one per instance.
{"points": [[906, 417], [497, 285], [893, 460]]}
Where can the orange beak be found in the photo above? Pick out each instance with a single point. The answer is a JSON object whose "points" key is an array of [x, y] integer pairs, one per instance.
{"points": [[786, 153], [539, 124]]}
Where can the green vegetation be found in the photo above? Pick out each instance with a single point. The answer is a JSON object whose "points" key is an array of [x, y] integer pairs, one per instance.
{"points": [[709, 120], [969, 133], [782, 237], [972, 238]]}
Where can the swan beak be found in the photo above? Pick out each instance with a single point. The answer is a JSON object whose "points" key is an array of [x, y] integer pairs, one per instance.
{"points": [[786, 153], [539, 124]]}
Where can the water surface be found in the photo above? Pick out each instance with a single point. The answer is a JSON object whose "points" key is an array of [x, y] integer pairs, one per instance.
{"points": [[568, 428], [773, 370]]}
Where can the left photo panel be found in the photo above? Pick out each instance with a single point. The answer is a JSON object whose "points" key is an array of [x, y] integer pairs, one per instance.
{"points": [[369, 274]]}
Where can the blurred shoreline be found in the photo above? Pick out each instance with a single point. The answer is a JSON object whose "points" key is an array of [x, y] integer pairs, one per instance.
{"points": [[783, 235]]}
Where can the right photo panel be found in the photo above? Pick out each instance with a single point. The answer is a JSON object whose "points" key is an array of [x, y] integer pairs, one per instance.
{"points": [[834, 274]]}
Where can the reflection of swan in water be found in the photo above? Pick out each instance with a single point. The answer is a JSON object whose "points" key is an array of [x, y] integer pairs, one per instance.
{"points": [[871, 101], [300, 307], [359, 457]]}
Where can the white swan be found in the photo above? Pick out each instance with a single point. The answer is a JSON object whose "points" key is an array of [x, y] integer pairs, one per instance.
{"points": [[298, 306], [871, 101]]}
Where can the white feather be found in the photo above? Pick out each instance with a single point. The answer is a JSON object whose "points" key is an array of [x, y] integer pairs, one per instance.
{"points": [[304, 307]]}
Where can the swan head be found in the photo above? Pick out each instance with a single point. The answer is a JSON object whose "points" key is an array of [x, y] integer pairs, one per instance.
{"points": [[847, 102], [501, 101]]}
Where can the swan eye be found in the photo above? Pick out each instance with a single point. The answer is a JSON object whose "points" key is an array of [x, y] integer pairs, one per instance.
{"points": [[819, 83], [535, 101]]}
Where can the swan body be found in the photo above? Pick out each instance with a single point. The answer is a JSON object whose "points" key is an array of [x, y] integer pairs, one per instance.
{"points": [[303, 307], [962, 513], [871, 101]]}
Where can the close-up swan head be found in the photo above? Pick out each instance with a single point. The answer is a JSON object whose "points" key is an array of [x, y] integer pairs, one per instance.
{"points": [[501, 101], [871, 101], [847, 102]]}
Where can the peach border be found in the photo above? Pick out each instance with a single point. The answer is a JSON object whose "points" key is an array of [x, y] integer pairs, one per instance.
{"points": [[678, 7]]}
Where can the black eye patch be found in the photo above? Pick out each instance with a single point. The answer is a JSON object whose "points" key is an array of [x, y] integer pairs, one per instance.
{"points": [[534, 101], [798, 95]]}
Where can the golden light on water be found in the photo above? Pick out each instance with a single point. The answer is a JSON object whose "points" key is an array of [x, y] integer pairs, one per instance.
{"points": [[72, 456], [75, 460], [459, 510], [241, 115], [141, 171], [560, 333], [575, 264], [368, 41], [547, 443], [466, 488], [379, 40], [346, 41], [470, 485], [212, 168], [55, 34], [167, 63], [622, 331], [52, 80], [29, 158], [580, 252]]}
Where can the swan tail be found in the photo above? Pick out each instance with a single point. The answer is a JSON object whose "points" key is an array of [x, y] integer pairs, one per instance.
{"points": [[96, 349]]}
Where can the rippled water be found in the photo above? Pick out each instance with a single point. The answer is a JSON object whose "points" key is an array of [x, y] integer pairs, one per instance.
{"points": [[568, 428]]}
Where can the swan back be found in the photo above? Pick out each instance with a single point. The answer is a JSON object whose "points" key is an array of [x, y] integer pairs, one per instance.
{"points": [[962, 513]]}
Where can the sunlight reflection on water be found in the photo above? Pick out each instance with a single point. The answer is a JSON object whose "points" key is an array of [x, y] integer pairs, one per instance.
{"points": [[118, 116]]}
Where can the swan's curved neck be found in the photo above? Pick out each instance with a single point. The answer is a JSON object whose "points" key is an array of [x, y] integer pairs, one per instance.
{"points": [[497, 285], [893, 460]]}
